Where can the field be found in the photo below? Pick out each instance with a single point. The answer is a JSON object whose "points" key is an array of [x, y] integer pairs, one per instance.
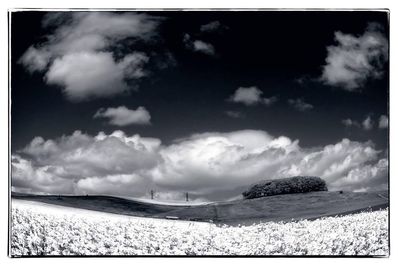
{"points": [[273, 208], [46, 230]]}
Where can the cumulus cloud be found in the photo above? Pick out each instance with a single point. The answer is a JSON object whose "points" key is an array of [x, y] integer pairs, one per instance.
{"points": [[247, 95], [209, 165], [213, 26], [83, 53], [81, 155], [122, 116], [383, 122], [299, 104], [198, 45], [251, 96], [201, 46], [367, 124], [118, 184], [355, 59], [79, 164], [370, 177], [88, 74], [42, 179]]}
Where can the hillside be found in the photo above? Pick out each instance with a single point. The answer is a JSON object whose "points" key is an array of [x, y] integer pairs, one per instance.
{"points": [[273, 208]]}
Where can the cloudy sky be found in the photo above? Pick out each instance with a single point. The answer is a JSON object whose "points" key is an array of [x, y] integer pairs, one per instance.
{"points": [[201, 102]]}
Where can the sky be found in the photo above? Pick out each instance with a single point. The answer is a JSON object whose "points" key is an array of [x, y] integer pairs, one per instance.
{"points": [[122, 103]]}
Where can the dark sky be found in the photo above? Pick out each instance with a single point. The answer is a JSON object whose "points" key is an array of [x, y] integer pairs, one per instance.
{"points": [[269, 50], [213, 96]]}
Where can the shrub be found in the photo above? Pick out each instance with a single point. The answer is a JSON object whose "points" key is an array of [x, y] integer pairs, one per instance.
{"points": [[297, 184]]}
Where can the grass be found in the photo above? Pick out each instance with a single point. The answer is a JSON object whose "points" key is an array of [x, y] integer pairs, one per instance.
{"points": [[273, 208]]}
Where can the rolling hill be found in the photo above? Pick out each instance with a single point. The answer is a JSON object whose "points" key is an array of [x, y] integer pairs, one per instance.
{"points": [[273, 208]]}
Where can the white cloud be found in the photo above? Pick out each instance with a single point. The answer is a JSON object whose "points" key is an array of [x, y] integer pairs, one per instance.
{"points": [[269, 101], [251, 96], [35, 59], [207, 165], [118, 184], [213, 26], [355, 59], [247, 95], [370, 177], [108, 164], [122, 116], [367, 124], [81, 155], [133, 65], [300, 105], [203, 47], [29, 178], [198, 45], [218, 161], [80, 55], [87, 74], [383, 122], [350, 122]]}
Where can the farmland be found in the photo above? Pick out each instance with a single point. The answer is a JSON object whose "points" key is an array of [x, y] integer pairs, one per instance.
{"points": [[50, 230], [273, 208]]}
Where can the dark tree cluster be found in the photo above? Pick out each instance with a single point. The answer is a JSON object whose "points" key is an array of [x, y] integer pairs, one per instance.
{"points": [[292, 185]]}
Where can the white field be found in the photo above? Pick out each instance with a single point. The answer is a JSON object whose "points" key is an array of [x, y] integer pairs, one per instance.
{"points": [[44, 229]]}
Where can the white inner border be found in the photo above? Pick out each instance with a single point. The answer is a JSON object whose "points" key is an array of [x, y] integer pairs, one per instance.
{"points": [[207, 4]]}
